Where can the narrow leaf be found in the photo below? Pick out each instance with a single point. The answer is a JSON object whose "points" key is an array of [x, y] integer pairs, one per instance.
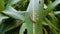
{"points": [[1, 5], [13, 13], [51, 7]]}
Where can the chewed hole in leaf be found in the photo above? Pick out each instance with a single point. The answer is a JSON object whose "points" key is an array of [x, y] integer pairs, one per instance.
{"points": [[25, 32]]}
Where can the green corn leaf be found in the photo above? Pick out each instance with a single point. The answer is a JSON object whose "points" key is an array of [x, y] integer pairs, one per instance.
{"points": [[44, 23], [13, 13], [39, 17], [50, 24], [51, 7], [45, 31], [33, 8], [53, 31], [1, 5], [10, 2], [29, 24], [23, 27], [2, 17], [53, 19], [56, 12], [4, 27], [15, 1]]}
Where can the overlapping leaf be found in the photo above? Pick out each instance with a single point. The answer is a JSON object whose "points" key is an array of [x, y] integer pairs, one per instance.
{"points": [[13, 13]]}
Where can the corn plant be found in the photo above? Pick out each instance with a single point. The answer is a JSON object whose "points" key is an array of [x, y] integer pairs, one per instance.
{"points": [[29, 16]]}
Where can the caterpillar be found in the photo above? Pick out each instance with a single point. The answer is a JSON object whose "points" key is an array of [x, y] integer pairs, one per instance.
{"points": [[31, 18]]}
